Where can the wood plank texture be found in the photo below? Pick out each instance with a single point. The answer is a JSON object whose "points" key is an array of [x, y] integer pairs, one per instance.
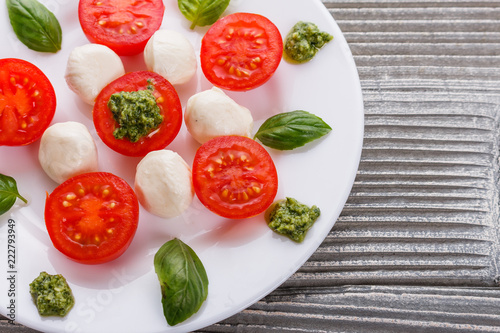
{"points": [[370, 309], [416, 247]]}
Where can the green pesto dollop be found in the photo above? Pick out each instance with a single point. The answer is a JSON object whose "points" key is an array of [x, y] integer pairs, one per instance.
{"points": [[304, 41], [51, 295], [136, 113], [292, 218]]}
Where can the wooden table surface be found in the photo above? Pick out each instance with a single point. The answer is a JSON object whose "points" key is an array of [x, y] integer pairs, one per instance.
{"points": [[416, 247]]}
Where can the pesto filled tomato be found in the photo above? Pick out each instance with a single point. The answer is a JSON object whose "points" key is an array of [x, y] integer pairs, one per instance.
{"points": [[124, 26], [148, 98], [241, 51], [92, 218], [27, 102], [234, 177]]}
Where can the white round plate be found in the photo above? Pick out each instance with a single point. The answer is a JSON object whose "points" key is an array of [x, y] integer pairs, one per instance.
{"points": [[244, 259]]}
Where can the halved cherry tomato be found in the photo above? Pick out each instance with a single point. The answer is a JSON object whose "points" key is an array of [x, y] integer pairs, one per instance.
{"points": [[92, 218], [166, 98], [234, 177], [241, 51], [123, 25], [27, 102]]}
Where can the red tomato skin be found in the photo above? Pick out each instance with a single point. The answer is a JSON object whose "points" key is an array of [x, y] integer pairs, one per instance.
{"points": [[56, 219], [126, 42], [171, 111], [209, 190], [213, 50], [23, 83]]}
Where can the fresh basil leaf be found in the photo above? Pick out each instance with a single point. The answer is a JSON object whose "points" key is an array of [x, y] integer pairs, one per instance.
{"points": [[289, 130], [183, 281], [8, 193], [202, 12], [35, 25]]}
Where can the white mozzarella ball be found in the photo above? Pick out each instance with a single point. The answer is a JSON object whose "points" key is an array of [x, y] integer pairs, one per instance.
{"points": [[163, 183], [66, 150], [171, 55], [212, 113], [90, 68]]}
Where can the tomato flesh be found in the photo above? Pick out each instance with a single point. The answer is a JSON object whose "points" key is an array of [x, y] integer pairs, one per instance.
{"points": [[92, 217], [27, 102], [166, 98], [234, 177], [241, 51], [123, 25]]}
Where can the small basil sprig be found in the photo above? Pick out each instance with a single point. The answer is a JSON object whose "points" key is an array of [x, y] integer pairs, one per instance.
{"points": [[289, 130], [35, 25], [202, 12], [8, 193], [183, 281]]}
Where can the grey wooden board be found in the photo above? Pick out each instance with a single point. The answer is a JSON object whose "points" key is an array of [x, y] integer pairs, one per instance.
{"points": [[416, 246]]}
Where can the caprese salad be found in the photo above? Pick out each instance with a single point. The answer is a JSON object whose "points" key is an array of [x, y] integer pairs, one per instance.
{"points": [[91, 216]]}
